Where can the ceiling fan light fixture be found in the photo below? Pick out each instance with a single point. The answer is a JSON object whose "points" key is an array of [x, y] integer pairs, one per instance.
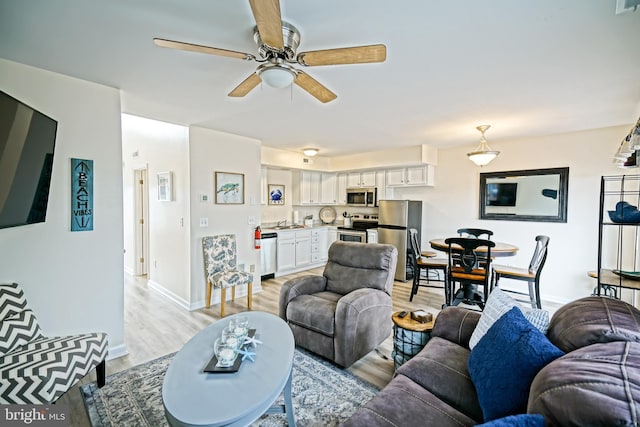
{"points": [[483, 154], [277, 76], [310, 152]]}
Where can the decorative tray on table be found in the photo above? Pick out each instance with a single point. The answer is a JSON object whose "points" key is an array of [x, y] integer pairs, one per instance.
{"points": [[213, 369]]}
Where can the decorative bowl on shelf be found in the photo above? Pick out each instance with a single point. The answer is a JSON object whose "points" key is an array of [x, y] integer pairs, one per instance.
{"points": [[625, 214], [633, 275]]}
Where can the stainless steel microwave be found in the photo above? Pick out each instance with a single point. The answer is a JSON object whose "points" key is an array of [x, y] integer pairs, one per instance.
{"points": [[365, 196]]}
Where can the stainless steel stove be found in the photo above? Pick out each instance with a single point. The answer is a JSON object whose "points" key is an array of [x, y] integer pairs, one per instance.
{"points": [[357, 232]]}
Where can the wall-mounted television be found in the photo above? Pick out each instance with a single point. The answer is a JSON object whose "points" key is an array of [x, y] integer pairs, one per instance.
{"points": [[27, 143], [502, 194]]}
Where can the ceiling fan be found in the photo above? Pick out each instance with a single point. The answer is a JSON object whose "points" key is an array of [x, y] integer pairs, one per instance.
{"points": [[277, 44]]}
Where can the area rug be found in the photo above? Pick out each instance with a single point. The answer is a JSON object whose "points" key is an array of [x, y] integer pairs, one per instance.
{"points": [[323, 395]]}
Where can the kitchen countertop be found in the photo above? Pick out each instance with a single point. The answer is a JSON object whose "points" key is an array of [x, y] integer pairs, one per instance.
{"points": [[275, 229]]}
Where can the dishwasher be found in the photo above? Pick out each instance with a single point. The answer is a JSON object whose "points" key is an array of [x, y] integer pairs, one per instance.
{"points": [[268, 249]]}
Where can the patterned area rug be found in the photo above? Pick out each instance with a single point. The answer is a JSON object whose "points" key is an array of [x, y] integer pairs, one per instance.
{"points": [[323, 395]]}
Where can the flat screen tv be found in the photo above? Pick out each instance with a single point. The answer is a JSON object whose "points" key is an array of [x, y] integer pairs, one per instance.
{"points": [[27, 142], [502, 194]]}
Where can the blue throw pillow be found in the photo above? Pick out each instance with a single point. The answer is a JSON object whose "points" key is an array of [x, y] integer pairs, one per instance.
{"points": [[522, 420], [504, 362]]}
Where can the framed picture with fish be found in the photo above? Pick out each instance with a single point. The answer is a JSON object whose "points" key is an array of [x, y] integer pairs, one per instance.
{"points": [[229, 188], [276, 194]]}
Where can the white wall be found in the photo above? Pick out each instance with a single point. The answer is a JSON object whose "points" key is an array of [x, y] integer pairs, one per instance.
{"points": [[275, 213], [573, 248], [211, 151], [73, 281], [159, 147]]}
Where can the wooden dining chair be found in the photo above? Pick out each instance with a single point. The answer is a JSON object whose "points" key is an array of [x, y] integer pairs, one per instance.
{"points": [[530, 275], [427, 264], [470, 268], [474, 232]]}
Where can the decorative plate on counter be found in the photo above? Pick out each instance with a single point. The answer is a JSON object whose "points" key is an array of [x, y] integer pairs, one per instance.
{"points": [[327, 215]]}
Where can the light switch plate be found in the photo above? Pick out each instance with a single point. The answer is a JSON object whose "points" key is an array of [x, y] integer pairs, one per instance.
{"points": [[204, 222]]}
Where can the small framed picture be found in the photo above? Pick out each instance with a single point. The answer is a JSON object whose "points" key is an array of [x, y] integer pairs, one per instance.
{"points": [[164, 187], [229, 188], [276, 194]]}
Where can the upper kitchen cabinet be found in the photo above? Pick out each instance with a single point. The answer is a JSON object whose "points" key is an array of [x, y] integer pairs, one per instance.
{"points": [[328, 189], [410, 176], [342, 188], [306, 188], [361, 179]]}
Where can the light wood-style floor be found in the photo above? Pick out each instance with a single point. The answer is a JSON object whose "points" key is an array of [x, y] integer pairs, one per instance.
{"points": [[155, 326]]}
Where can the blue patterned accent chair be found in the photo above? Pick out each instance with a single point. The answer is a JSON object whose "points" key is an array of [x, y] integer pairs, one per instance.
{"points": [[220, 269], [35, 369]]}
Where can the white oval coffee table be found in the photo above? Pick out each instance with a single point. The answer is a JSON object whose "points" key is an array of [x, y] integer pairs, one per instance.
{"points": [[192, 397]]}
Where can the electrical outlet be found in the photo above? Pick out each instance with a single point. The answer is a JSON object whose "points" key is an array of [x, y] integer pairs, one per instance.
{"points": [[204, 222], [252, 268]]}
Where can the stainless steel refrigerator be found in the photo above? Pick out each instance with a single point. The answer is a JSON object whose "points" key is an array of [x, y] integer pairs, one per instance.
{"points": [[396, 217]]}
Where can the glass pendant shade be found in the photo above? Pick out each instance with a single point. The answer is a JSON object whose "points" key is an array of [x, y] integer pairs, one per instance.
{"points": [[483, 154]]}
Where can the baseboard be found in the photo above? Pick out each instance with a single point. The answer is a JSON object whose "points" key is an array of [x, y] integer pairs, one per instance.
{"points": [[117, 351], [129, 271], [169, 295]]}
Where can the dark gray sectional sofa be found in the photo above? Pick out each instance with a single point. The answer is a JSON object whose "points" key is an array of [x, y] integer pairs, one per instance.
{"points": [[596, 382]]}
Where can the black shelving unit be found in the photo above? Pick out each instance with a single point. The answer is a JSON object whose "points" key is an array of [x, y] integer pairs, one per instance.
{"points": [[618, 241]]}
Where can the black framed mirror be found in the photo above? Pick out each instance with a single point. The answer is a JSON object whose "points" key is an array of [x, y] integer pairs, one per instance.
{"points": [[525, 195]]}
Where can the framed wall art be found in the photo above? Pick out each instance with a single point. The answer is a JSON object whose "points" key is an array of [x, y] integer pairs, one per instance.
{"points": [[164, 187], [276, 194], [229, 188]]}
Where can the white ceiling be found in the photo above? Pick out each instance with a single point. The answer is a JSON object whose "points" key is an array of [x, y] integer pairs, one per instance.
{"points": [[528, 68]]}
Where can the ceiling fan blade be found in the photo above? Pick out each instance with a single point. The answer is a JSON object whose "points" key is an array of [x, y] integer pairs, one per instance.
{"points": [[345, 55], [311, 85], [269, 21], [171, 44], [246, 86]]}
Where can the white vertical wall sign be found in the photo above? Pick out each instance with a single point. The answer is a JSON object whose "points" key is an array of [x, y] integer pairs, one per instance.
{"points": [[81, 195]]}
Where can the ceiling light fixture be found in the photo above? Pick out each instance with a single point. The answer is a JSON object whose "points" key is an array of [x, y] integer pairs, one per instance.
{"points": [[483, 155], [277, 75], [310, 152]]}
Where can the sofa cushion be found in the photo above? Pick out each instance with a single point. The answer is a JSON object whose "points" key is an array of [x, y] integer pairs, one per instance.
{"points": [[520, 420], [597, 385], [498, 303], [17, 330], [41, 371], [315, 312], [441, 368], [504, 362], [405, 403], [593, 320]]}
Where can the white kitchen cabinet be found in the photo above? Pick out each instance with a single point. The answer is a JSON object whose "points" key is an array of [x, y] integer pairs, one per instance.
{"points": [[306, 188], [319, 246], [414, 175], [361, 179], [328, 188], [342, 189], [303, 247], [286, 255]]}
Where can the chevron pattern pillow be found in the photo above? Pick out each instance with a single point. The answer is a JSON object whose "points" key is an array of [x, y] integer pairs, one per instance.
{"points": [[18, 330]]}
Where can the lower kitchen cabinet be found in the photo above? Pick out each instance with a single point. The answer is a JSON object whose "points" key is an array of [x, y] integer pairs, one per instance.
{"points": [[286, 255], [300, 250]]}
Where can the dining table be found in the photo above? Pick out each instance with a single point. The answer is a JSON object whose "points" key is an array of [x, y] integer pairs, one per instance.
{"points": [[500, 249]]}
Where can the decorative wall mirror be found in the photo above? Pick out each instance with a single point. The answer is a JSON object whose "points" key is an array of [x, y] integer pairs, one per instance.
{"points": [[525, 195]]}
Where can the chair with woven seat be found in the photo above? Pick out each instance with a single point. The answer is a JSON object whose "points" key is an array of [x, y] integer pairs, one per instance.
{"points": [[530, 275], [470, 267], [220, 269], [427, 264]]}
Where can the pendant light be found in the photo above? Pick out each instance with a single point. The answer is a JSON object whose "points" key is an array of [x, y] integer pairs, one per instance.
{"points": [[483, 154]]}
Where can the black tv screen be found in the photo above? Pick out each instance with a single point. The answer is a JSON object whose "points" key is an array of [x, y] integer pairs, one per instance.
{"points": [[502, 194], [27, 142]]}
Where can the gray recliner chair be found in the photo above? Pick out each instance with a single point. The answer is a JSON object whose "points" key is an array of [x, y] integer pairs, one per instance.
{"points": [[345, 313]]}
